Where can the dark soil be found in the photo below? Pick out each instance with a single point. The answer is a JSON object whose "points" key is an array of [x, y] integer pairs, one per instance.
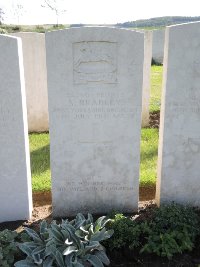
{"points": [[154, 119], [127, 258], [43, 209]]}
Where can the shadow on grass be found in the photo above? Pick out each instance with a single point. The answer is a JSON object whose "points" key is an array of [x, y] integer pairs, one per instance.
{"points": [[40, 160], [151, 153]]}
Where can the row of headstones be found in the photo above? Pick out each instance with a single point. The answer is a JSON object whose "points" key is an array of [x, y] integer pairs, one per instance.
{"points": [[34, 58], [95, 78]]}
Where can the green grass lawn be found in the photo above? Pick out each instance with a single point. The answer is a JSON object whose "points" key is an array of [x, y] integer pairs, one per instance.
{"points": [[148, 156], [156, 84], [39, 146], [40, 161]]}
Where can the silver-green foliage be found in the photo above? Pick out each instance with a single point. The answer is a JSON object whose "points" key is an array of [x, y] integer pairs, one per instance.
{"points": [[73, 243], [8, 247]]}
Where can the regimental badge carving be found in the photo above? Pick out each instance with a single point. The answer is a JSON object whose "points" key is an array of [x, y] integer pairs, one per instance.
{"points": [[95, 62]]}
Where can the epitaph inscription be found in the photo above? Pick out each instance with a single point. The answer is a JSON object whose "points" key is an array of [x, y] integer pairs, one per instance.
{"points": [[95, 62]]}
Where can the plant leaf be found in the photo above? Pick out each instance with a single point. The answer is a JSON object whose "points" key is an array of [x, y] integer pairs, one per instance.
{"points": [[48, 262], [69, 250], [56, 231], [67, 242], [59, 259], [24, 263], [92, 245], [43, 227], [78, 264], [96, 262], [24, 247], [33, 234], [103, 257], [38, 250]]}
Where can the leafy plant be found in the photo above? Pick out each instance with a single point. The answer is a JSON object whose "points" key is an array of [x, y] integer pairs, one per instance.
{"points": [[126, 233], [38, 250], [172, 230], [169, 230], [8, 247], [73, 243]]}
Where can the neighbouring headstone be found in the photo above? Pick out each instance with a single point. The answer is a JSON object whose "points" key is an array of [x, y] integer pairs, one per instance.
{"points": [[146, 77], [15, 175], [179, 148], [95, 79], [34, 55], [158, 46]]}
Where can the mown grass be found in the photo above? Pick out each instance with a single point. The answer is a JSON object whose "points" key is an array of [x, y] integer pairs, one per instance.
{"points": [[39, 146], [156, 85], [148, 156], [40, 161]]}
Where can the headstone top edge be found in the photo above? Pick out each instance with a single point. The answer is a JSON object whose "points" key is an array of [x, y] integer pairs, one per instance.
{"points": [[26, 33], [9, 37], [96, 28], [175, 26]]}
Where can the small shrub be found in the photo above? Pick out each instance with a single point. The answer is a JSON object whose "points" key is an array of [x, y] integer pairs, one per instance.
{"points": [[40, 29], [16, 28], [172, 230], [126, 233], [71, 243], [8, 247]]}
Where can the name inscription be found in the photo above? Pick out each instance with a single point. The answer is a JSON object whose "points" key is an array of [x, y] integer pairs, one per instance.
{"points": [[99, 107]]}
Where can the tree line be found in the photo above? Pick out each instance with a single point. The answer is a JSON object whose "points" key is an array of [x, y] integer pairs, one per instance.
{"points": [[157, 22]]}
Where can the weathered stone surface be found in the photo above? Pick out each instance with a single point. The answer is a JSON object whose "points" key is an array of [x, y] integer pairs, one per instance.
{"points": [[148, 35], [179, 148], [15, 175], [158, 45], [95, 94], [34, 55]]}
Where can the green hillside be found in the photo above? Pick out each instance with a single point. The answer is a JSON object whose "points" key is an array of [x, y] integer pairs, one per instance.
{"points": [[157, 22]]}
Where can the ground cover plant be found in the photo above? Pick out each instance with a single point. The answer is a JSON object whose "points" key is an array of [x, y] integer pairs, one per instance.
{"points": [[8, 247], [9, 250], [75, 243], [166, 236], [165, 233]]}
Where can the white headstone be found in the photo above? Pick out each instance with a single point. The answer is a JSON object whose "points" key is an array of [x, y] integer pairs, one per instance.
{"points": [[34, 55], [158, 45], [15, 175], [179, 148], [95, 95], [146, 77]]}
